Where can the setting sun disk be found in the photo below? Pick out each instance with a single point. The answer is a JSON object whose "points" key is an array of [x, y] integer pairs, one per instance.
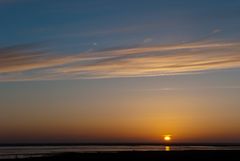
{"points": [[167, 137]]}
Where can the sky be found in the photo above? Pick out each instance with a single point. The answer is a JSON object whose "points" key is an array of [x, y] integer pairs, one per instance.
{"points": [[119, 71]]}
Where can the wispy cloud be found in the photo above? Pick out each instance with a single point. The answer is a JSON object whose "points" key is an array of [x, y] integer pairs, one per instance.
{"points": [[26, 63], [174, 89]]}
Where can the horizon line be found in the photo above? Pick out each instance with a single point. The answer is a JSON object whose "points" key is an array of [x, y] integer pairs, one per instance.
{"points": [[124, 144]]}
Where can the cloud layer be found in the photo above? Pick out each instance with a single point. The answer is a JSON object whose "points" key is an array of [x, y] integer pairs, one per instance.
{"points": [[25, 62]]}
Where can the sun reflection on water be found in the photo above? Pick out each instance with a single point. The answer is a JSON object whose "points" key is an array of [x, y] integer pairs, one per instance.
{"points": [[167, 148]]}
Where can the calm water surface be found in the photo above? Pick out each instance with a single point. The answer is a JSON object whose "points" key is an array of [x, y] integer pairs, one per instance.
{"points": [[31, 151]]}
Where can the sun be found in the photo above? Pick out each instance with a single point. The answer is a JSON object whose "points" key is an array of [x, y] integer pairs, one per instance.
{"points": [[167, 137]]}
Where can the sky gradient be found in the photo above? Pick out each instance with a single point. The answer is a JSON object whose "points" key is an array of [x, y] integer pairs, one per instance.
{"points": [[119, 71]]}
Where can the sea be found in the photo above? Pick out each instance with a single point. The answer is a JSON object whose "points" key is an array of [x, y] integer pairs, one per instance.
{"points": [[12, 152]]}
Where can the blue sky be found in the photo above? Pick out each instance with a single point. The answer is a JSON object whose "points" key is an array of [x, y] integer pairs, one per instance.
{"points": [[80, 25]]}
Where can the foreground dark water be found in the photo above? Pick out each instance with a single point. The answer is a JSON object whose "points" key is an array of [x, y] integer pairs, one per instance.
{"points": [[210, 155], [96, 152]]}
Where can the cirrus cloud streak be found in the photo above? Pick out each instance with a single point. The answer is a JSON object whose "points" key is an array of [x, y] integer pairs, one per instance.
{"points": [[28, 63]]}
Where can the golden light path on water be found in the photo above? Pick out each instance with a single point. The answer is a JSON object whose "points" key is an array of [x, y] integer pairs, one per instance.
{"points": [[167, 148]]}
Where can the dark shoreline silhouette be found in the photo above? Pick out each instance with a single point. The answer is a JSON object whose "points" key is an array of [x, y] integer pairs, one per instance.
{"points": [[212, 155]]}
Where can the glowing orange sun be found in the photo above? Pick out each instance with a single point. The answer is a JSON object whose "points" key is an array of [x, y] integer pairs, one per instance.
{"points": [[167, 137]]}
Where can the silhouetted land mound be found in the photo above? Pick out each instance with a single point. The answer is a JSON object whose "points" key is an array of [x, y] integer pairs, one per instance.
{"points": [[146, 155]]}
